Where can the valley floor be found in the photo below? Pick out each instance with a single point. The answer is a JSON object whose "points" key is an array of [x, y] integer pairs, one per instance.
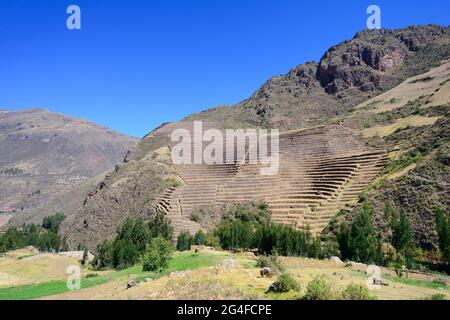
{"points": [[25, 274]]}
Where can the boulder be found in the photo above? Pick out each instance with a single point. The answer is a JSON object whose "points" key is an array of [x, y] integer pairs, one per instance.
{"points": [[228, 262], [131, 284], [336, 260], [266, 272]]}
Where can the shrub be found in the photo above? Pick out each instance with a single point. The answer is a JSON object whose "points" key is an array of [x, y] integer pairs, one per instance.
{"points": [[436, 296], [356, 292], [157, 255], [270, 262], [320, 288], [284, 283]]}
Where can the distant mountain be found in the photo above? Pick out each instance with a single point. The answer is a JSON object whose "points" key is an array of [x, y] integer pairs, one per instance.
{"points": [[45, 154]]}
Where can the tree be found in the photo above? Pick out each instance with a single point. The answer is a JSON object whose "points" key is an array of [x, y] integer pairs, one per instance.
{"points": [[184, 241], [359, 241], [52, 223], [160, 225], [103, 258], [344, 241], [84, 260], [200, 238], [49, 241], [402, 234], [443, 230], [157, 255], [12, 239], [212, 240]]}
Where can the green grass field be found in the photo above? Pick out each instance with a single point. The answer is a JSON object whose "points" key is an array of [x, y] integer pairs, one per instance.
{"points": [[181, 261], [33, 291]]}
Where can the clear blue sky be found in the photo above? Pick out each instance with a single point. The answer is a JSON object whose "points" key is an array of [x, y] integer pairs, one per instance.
{"points": [[136, 64]]}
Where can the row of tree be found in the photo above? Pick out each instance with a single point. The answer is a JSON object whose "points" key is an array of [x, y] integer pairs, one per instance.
{"points": [[44, 237], [135, 239], [246, 227], [360, 241]]}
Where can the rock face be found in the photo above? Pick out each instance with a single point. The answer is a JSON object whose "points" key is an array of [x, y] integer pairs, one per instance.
{"points": [[44, 155], [348, 73]]}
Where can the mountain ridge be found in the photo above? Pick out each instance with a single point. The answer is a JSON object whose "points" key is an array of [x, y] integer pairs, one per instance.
{"points": [[45, 154]]}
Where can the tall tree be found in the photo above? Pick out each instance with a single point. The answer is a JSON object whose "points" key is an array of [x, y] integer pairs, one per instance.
{"points": [[402, 233]]}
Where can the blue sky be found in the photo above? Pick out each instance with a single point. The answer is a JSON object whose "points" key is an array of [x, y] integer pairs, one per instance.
{"points": [[136, 64]]}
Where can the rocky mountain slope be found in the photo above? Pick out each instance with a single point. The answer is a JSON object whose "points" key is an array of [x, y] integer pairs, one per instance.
{"points": [[325, 93], [45, 154], [348, 74], [412, 121]]}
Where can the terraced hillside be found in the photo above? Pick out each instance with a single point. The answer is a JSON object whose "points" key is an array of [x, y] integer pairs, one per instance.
{"points": [[320, 171]]}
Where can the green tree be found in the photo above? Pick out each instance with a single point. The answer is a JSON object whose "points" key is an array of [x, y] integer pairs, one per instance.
{"points": [[52, 223], [160, 226], [212, 240], [184, 241], [402, 233], [443, 230], [359, 241], [49, 241], [200, 238], [103, 258], [84, 259], [157, 255]]}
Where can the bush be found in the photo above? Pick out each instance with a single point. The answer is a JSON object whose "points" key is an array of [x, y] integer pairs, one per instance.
{"points": [[271, 262], [284, 283], [356, 292], [320, 288], [157, 255], [436, 296]]}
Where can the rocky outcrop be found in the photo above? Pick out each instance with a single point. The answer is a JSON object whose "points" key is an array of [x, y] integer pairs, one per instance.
{"points": [[347, 74]]}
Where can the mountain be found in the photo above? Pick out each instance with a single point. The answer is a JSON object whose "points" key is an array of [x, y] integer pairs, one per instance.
{"points": [[348, 73], [330, 148], [45, 155]]}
